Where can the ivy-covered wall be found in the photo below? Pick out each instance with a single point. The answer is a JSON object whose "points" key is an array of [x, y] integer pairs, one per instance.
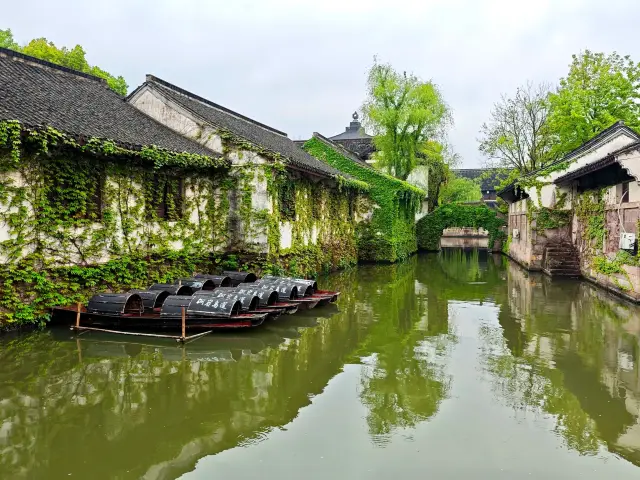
{"points": [[390, 235], [77, 218]]}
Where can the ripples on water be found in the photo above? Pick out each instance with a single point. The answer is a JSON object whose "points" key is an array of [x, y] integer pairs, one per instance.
{"points": [[455, 365]]}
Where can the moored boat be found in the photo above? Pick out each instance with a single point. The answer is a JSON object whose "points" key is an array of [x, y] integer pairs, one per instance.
{"points": [[231, 300]]}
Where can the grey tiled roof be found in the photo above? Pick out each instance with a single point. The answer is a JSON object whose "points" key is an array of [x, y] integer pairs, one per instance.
{"points": [[257, 133], [38, 93]]}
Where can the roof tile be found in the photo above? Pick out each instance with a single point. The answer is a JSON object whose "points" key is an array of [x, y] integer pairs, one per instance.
{"points": [[36, 92], [251, 130]]}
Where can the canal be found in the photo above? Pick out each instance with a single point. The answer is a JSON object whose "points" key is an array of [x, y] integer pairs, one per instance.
{"points": [[455, 365]]}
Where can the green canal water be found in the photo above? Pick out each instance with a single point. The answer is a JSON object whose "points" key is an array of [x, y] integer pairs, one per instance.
{"points": [[452, 366]]}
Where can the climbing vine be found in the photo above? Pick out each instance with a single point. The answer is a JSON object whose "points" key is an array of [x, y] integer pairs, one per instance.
{"points": [[81, 215], [589, 208], [321, 221], [390, 235], [548, 218]]}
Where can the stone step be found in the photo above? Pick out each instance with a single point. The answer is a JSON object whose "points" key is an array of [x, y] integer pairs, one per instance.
{"points": [[564, 271], [569, 258], [562, 259], [561, 250]]}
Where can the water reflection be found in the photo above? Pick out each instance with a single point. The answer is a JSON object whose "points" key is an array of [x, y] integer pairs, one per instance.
{"points": [[570, 350], [95, 407]]}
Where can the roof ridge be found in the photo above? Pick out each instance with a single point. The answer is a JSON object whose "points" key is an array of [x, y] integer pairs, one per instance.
{"points": [[153, 79], [593, 140], [586, 145], [37, 62]]}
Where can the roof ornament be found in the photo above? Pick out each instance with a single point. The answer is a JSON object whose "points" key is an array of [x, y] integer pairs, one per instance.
{"points": [[355, 116]]}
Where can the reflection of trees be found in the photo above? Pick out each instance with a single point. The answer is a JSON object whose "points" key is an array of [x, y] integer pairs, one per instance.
{"points": [[463, 275], [96, 409], [404, 381], [558, 352]]}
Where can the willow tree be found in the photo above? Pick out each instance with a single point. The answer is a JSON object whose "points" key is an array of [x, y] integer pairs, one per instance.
{"points": [[404, 114]]}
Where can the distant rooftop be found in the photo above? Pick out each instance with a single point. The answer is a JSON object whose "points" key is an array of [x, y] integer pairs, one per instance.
{"points": [[353, 132]]}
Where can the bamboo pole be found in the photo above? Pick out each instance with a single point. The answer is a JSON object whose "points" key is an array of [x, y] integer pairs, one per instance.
{"points": [[135, 334], [184, 326], [196, 336], [79, 307]]}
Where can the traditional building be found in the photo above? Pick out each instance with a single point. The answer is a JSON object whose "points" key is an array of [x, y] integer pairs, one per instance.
{"points": [[151, 187], [251, 146], [85, 175], [579, 215], [356, 140]]}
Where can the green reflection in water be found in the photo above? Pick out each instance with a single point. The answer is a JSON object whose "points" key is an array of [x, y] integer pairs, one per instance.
{"points": [[95, 407], [570, 350]]}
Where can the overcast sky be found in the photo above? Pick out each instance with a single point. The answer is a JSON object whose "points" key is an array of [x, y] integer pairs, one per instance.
{"points": [[300, 66]]}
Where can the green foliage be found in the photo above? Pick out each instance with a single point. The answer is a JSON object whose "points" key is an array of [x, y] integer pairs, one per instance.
{"points": [[437, 158], [6, 40], [549, 218], [590, 209], [606, 266], [70, 207], [598, 91], [310, 209], [390, 236], [518, 135], [506, 246], [405, 113], [73, 58], [459, 189], [430, 227]]}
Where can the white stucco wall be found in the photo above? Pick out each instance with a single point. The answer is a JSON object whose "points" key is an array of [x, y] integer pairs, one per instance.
{"points": [[286, 235], [176, 118], [607, 145], [167, 112], [136, 236]]}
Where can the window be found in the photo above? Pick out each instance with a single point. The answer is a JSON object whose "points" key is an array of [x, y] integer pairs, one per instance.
{"points": [[287, 200], [76, 191], [624, 197], [165, 197]]}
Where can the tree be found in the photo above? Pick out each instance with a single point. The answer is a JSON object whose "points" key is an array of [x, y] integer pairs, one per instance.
{"points": [[404, 113], [74, 58], [518, 136], [598, 91], [6, 40], [459, 189]]}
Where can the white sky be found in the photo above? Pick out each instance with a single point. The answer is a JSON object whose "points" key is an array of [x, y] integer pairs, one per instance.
{"points": [[300, 66]]}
